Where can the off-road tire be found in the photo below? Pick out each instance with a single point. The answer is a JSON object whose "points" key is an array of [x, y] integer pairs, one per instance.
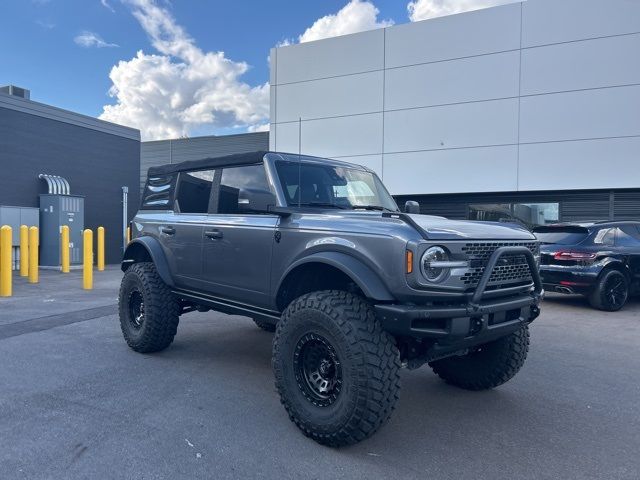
{"points": [[160, 317], [600, 297], [489, 365], [266, 326], [369, 361]]}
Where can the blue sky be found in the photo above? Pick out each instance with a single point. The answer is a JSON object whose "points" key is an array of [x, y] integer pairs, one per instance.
{"points": [[41, 49]]}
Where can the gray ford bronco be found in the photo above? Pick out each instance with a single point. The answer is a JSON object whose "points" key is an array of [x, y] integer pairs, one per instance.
{"points": [[317, 251]]}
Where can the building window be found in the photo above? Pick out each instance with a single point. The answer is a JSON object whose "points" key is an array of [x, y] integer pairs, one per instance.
{"points": [[527, 214]]}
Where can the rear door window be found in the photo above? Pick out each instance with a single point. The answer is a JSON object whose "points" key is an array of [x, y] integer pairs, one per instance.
{"points": [[194, 191]]}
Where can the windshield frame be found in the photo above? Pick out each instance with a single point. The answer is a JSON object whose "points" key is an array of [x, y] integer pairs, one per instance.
{"points": [[272, 159]]}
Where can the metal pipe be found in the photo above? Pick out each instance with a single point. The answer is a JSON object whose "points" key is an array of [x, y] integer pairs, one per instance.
{"points": [[125, 216], [24, 251], [100, 249]]}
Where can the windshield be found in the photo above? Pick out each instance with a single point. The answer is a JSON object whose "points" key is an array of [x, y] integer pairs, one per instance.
{"points": [[311, 184]]}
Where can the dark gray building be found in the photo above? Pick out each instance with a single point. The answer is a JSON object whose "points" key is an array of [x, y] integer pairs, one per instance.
{"points": [[174, 151], [97, 158]]}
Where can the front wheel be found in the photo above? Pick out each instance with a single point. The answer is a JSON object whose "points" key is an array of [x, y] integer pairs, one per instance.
{"points": [[336, 370], [149, 312], [611, 292], [488, 365]]}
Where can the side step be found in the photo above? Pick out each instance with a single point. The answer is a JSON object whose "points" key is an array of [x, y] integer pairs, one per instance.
{"points": [[231, 308]]}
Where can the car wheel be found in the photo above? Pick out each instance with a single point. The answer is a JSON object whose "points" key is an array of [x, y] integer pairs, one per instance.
{"points": [[149, 312], [611, 292], [266, 326], [488, 365], [336, 370]]}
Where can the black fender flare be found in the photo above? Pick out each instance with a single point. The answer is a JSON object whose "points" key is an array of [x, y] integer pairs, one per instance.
{"points": [[615, 264], [362, 275], [154, 250]]}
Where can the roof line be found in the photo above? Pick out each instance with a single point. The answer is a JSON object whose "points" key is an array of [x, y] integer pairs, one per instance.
{"points": [[31, 107]]}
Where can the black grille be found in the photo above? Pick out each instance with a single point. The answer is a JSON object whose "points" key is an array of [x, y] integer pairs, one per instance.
{"points": [[511, 269]]}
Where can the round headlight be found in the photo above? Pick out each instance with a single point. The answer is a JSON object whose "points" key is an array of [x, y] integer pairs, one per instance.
{"points": [[434, 254]]}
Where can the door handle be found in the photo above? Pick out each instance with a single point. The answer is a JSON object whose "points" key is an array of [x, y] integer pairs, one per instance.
{"points": [[213, 234], [168, 230]]}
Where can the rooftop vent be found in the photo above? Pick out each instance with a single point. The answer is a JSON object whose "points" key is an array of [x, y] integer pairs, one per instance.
{"points": [[16, 91]]}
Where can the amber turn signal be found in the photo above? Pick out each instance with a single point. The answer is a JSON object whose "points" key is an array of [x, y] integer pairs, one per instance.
{"points": [[409, 258]]}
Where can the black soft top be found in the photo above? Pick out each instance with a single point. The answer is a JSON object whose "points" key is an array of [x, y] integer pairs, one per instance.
{"points": [[213, 162]]}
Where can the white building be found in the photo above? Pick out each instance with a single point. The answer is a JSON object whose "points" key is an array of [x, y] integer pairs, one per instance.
{"points": [[529, 107]]}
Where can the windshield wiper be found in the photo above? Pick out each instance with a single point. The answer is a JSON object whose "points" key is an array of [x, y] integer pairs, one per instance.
{"points": [[373, 207], [318, 204]]}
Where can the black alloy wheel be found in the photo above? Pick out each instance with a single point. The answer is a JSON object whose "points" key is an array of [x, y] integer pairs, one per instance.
{"points": [[136, 309], [615, 291], [317, 369], [611, 293]]}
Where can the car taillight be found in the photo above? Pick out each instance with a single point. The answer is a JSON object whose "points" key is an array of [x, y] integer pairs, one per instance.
{"points": [[566, 255]]}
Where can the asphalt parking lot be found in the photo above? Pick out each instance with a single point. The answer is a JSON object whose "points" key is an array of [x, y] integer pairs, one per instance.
{"points": [[75, 402]]}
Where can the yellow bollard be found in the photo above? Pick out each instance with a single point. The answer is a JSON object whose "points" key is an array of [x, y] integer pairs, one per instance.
{"points": [[5, 260], [33, 254], [87, 266], [128, 235], [24, 251], [100, 249], [64, 249]]}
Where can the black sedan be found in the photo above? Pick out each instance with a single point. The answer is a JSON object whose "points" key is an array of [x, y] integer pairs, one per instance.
{"points": [[600, 260]]}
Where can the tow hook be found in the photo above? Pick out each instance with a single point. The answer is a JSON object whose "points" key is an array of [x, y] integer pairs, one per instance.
{"points": [[476, 325]]}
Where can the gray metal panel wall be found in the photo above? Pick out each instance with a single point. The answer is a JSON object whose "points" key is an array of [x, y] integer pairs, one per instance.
{"points": [[97, 165], [504, 95], [627, 205], [174, 151], [15, 217]]}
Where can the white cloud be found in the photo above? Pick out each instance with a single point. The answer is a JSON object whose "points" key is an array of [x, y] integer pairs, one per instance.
{"points": [[182, 88], [46, 24], [424, 9], [355, 16], [107, 5], [90, 39], [262, 127]]}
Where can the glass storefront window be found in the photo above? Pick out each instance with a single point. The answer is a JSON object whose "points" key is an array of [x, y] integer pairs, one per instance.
{"points": [[527, 214]]}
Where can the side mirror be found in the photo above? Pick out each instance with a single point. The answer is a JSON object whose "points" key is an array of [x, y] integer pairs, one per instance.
{"points": [[411, 207]]}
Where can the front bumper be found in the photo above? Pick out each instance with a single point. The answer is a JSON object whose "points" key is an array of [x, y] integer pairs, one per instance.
{"points": [[476, 322], [486, 321]]}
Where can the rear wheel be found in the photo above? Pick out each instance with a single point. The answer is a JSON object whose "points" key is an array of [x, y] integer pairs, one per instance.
{"points": [[488, 365], [336, 370], [611, 292], [148, 310]]}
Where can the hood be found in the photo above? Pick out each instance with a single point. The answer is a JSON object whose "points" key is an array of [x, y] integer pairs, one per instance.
{"points": [[409, 225], [440, 228]]}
